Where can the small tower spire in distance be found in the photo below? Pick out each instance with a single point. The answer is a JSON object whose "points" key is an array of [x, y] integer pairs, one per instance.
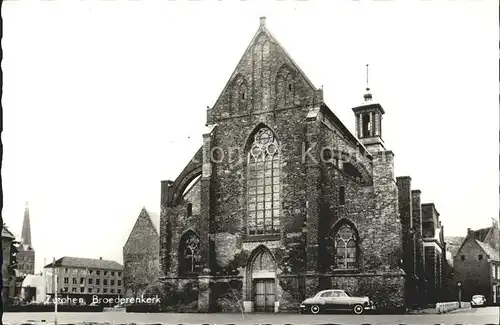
{"points": [[26, 231], [367, 96]]}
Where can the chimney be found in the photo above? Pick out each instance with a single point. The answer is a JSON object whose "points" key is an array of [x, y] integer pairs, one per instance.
{"points": [[100, 257], [416, 212], [470, 232], [262, 21]]}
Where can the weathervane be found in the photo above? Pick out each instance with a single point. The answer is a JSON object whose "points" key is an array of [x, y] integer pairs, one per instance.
{"points": [[367, 87], [367, 96]]}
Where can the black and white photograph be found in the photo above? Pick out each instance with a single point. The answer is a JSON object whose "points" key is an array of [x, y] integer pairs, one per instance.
{"points": [[250, 162]]}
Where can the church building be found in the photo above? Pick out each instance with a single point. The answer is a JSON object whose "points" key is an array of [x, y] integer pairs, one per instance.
{"points": [[26, 254], [282, 200]]}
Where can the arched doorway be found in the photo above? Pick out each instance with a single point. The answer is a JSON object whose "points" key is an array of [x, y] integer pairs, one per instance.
{"points": [[262, 280]]}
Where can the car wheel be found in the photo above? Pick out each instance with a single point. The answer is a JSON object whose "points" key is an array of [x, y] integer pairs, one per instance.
{"points": [[358, 309], [315, 309]]}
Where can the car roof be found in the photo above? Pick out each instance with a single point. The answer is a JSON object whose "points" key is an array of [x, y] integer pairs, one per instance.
{"points": [[329, 290]]}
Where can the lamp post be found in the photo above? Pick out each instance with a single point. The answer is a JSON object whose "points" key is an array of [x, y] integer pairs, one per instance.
{"points": [[459, 287]]}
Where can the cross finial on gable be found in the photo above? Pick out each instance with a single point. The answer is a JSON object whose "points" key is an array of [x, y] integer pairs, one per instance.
{"points": [[262, 21]]}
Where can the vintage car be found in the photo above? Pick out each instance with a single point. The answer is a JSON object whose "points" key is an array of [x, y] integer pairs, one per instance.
{"points": [[330, 300], [478, 301]]}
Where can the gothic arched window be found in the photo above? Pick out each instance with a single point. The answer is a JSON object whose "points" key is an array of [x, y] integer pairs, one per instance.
{"points": [[263, 184], [346, 248], [189, 253]]}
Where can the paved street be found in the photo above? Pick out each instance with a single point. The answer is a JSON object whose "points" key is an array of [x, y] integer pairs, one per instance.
{"points": [[488, 315]]}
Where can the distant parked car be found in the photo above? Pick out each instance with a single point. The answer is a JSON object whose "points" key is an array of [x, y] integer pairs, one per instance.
{"points": [[329, 300], [478, 301]]}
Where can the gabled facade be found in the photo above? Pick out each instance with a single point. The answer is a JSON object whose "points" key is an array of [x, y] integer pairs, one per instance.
{"points": [[477, 264], [288, 200], [141, 257]]}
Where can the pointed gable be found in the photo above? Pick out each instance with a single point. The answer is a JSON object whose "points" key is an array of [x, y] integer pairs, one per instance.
{"points": [[144, 235], [265, 79]]}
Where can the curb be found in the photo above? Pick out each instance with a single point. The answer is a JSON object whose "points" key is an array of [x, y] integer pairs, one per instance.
{"points": [[34, 323]]}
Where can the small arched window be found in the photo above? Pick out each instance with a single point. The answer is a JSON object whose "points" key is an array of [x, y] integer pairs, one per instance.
{"points": [[189, 209], [189, 253], [346, 248]]}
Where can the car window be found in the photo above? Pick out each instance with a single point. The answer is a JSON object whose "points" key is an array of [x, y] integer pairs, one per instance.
{"points": [[347, 293], [326, 294], [340, 294]]}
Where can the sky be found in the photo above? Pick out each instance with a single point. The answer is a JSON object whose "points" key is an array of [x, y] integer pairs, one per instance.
{"points": [[104, 99]]}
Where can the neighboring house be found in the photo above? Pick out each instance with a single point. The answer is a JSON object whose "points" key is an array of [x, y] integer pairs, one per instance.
{"points": [[141, 259], [78, 277], [309, 205], [9, 250], [477, 264], [33, 288]]}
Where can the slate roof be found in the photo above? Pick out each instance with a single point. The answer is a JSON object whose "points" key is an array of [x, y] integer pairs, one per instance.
{"points": [[86, 263], [490, 251], [481, 234], [6, 233]]}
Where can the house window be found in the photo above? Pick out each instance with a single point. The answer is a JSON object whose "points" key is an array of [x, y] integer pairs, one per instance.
{"points": [[119, 282], [342, 195], [90, 272], [98, 272], [119, 291], [105, 282], [73, 290], [97, 281], [75, 281], [189, 253], [119, 273], [105, 273], [82, 280], [112, 290], [82, 289], [66, 270], [480, 257], [104, 290], [346, 248], [462, 257], [98, 290], [263, 185], [189, 209], [66, 289], [112, 282], [90, 280], [66, 280], [90, 290], [112, 273]]}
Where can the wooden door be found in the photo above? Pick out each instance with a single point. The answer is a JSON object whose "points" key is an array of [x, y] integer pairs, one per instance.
{"points": [[264, 295]]}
